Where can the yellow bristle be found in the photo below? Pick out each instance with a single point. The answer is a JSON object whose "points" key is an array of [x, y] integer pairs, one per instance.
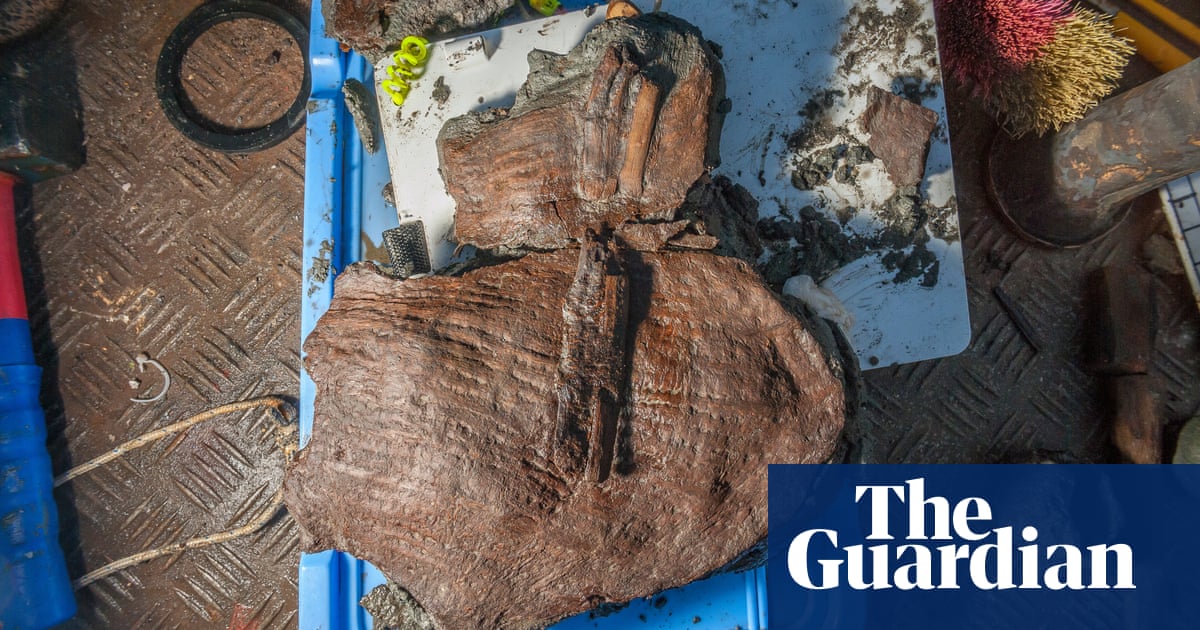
{"points": [[1078, 68]]}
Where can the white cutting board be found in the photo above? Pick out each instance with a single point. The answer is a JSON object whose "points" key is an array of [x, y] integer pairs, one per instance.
{"points": [[777, 55]]}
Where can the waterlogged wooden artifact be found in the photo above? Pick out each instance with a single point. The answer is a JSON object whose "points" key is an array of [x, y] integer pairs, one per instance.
{"points": [[527, 439]]}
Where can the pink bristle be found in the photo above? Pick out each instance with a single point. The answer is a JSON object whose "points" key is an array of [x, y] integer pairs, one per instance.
{"points": [[983, 41]]}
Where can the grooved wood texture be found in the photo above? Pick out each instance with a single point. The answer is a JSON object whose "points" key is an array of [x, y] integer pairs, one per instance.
{"points": [[438, 409]]}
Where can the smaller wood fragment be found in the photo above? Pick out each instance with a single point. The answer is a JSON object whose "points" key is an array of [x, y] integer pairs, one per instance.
{"points": [[1125, 318], [900, 131], [394, 608], [698, 242], [648, 237], [1018, 317], [592, 373], [370, 26], [1137, 427], [621, 9], [1123, 348], [688, 234], [364, 111], [637, 145]]}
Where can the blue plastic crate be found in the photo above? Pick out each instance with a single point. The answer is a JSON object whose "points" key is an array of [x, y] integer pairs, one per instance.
{"points": [[343, 204]]}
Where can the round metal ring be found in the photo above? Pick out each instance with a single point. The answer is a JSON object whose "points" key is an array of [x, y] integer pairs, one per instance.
{"points": [[183, 113]]}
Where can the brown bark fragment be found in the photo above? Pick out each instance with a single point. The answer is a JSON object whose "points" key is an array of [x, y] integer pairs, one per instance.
{"points": [[529, 439], [434, 398], [703, 242], [1137, 429], [900, 131], [1123, 348]]}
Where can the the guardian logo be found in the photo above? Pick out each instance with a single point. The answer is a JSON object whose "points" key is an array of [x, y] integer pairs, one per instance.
{"points": [[974, 553]]}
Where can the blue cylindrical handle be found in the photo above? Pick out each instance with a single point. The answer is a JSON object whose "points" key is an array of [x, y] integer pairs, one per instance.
{"points": [[35, 590]]}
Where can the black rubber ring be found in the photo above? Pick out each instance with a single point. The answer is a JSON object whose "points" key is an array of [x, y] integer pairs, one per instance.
{"points": [[183, 113]]}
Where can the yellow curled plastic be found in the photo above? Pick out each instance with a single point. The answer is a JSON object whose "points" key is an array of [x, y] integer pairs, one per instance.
{"points": [[545, 7], [406, 64]]}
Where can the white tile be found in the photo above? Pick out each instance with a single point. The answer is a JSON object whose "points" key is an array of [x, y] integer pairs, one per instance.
{"points": [[1183, 187], [1188, 211], [1193, 243]]}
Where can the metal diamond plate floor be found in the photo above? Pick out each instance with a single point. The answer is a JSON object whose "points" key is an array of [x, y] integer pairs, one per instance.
{"points": [[193, 257], [160, 246]]}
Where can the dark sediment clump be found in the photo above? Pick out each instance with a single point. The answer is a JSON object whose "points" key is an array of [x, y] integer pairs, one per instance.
{"points": [[815, 245], [812, 245]]}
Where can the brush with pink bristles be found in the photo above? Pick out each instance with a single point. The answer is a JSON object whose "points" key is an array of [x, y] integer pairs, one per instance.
{"points": [[1038, 64]]}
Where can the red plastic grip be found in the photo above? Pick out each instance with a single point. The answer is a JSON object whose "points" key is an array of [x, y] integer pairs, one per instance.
{"points": [[12, 289]]}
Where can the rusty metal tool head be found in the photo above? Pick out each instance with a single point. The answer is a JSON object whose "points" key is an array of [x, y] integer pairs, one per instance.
{"points": [[1070, 188], [41, 120]]}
